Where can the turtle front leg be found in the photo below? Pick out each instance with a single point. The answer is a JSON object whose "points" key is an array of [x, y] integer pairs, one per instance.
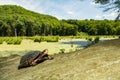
{"points": [[34, 62], [50, 57]]}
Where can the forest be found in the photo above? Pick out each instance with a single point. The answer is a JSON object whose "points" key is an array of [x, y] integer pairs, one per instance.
{"points": [[17, 21]]}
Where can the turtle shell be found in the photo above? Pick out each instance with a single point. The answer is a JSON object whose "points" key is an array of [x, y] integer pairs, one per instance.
{"points": [[28, 58]]}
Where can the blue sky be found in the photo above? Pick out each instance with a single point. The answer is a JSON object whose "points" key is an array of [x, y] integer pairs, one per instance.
{"points": [[64, 9]]}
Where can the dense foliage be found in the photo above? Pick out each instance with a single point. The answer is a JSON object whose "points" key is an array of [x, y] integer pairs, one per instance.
{"points": [[96, 27], [17, 21]]}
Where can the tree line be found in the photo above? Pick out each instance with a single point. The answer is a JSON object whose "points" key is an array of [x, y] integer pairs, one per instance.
{"points": [[97, 27], [17, 21]]}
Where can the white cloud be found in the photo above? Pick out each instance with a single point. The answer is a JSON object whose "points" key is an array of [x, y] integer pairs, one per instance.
{"points": [[92, 3], [113, 14], [2, 2], [28, 4], [106, 16], [70, 12]]}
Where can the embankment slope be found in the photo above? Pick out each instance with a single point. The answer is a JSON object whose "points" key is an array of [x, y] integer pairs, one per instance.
{"points": [[98, 62]]}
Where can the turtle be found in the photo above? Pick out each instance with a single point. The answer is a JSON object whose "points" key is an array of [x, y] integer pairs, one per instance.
{"points": [[34, 57]]}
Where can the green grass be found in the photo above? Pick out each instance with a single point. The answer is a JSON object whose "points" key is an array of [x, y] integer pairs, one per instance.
{"points": [[28, 45]]}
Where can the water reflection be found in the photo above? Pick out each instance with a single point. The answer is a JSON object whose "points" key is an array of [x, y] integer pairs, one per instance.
{"points": [[80, 43]]}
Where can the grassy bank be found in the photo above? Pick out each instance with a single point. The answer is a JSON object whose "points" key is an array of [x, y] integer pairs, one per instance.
{"points": [[98, 62]]}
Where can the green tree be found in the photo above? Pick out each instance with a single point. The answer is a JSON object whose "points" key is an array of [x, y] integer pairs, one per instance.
{"points": [[118, 30], [20, 28]]}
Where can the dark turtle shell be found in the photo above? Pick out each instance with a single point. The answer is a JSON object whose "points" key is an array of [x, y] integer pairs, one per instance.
{"points": [[27, 59]]}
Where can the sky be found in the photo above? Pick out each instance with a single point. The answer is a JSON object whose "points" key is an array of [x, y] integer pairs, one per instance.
{"points": [[64, 9]]}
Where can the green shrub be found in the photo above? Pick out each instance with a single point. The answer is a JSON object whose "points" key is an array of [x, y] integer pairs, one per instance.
{"points": [[62, 51], [72, 45], [38, 38], [9, 40], [119, 37], [13, 40], [1, 40], [89, 38], [97, 39], [46, 38], [17, 41], [82, 34], [52, 39]]}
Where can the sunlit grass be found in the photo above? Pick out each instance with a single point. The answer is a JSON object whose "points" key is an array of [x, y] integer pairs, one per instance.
{"points": [[28, 45]]}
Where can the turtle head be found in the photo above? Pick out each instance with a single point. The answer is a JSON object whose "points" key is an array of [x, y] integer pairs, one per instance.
{"points": [[45, 51]]}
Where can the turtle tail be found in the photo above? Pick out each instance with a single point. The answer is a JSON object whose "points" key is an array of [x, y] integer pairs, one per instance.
{"points": [[20, 66]]}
